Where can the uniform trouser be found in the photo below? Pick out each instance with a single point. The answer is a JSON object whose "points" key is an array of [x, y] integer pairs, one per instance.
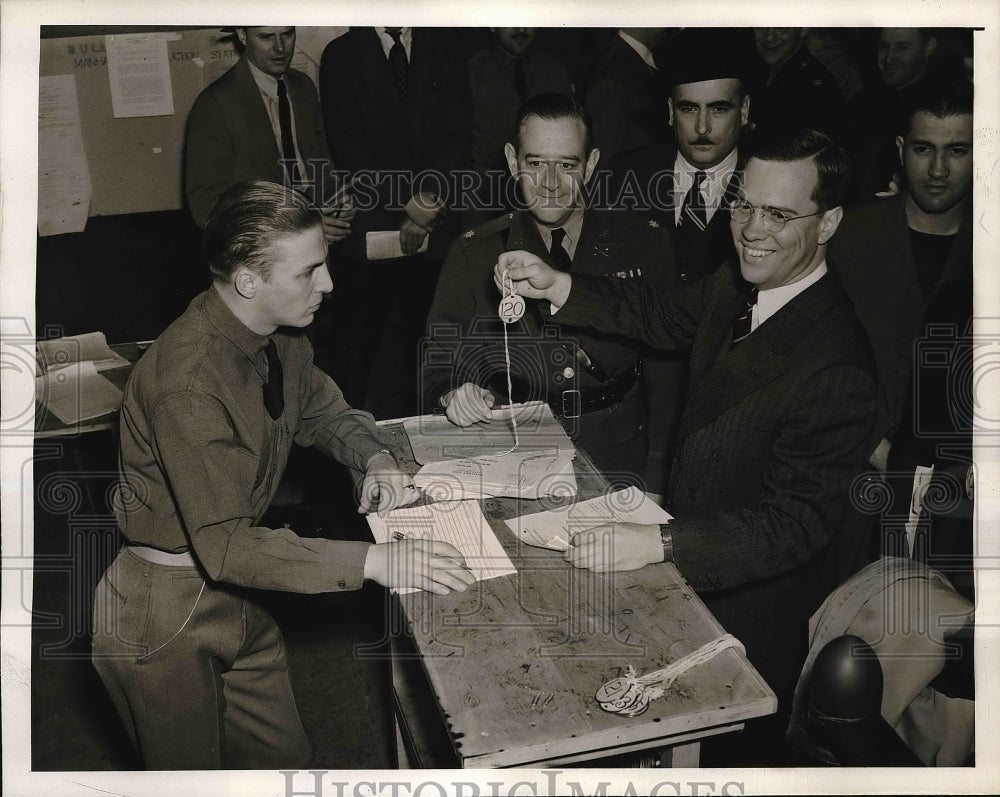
{"points": [[197, 672]]}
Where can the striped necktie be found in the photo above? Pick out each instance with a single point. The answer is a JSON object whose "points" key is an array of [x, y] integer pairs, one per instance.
{"points": [[742, 326], [694, 206]]}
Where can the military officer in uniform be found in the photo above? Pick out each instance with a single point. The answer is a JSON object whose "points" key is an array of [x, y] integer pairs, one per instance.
{"points": [[594, 382]]}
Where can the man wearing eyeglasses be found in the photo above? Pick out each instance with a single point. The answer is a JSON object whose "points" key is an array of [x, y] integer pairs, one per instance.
{"points": [[779, 417]]}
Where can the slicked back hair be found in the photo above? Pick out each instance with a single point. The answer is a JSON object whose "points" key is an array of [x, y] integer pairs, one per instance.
{"points": [[833, 166], [552, 106], [246, 220]]}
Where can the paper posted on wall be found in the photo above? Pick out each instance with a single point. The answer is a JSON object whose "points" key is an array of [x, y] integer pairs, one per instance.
{"points": [[555, 528]]}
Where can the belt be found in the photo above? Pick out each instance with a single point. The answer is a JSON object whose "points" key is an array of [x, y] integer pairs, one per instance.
{"points": [[158, 557], [579, 401]]}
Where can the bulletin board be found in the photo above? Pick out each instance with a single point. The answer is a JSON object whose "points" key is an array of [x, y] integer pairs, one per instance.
{"points": [[135, 164]]}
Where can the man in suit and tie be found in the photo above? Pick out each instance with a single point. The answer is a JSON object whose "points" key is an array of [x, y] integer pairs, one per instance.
{"points": [[625, 93], [594, 382], [261, 120], [779, 418], [397, 108]]}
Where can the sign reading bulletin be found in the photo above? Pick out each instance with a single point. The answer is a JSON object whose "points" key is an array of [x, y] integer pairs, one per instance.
{"points": [[133, 93]]}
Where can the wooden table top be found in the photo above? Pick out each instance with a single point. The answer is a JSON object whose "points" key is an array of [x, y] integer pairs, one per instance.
{"points": [[515, 662]]}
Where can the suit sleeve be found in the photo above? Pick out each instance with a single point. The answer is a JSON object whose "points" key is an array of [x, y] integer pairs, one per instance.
{"points": [[449, 356], [819, 448], [639, 310], [209, 151]]}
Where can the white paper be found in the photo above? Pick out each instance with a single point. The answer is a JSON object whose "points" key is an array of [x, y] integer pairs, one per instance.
{"points": [[64, 186], [519, 474], [76, 393], [555, 528], [92, 346], [139, 71], [460, 523], [434, 438], [384, 245]]}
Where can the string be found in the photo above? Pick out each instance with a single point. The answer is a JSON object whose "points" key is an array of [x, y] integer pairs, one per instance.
{"points": [[178, 631], [504, 280]]}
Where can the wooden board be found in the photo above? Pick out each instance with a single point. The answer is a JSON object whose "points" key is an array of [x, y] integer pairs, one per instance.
{"points": [[514, 663]]}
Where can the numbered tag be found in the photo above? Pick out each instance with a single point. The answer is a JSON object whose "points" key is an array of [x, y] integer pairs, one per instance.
{"points": [[511, 308]]}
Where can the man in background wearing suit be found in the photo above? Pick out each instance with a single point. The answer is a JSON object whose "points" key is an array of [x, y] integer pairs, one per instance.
{"points": [[780, 414], [398, 116], [688, 182], [261, 120], [592, 381], [625, 93], [892, 255]]}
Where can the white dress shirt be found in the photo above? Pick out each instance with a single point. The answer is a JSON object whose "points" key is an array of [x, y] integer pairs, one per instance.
{"points": [[644, 52], [771, 301], [405, 36], [268, 85], [713, 187]]}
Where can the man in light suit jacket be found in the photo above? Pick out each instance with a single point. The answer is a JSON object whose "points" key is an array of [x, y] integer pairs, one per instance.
{"points": [[234, 131], [780, 413]]}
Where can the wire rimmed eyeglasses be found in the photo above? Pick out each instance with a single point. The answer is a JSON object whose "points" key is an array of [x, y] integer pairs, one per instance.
{"points": [[772, 219]]}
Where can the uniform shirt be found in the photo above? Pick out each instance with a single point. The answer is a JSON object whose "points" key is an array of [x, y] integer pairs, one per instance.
{"points": [[201, 458], [268, 85], [572, 228]]}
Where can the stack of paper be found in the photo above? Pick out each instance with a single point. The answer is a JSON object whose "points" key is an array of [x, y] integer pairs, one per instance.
{"points": [[69, 385], [434, 438], [555, 528], [518, 474], [460, 523]]}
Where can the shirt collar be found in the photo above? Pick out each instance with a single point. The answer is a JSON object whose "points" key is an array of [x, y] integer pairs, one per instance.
{"points": [[771, 301], [722, 170], [643, 51], [234, 330], [268, 84], [573, 226], [405, 37]]}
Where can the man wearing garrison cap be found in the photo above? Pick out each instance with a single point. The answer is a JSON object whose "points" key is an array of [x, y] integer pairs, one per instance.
{"points": [[688, 180]]}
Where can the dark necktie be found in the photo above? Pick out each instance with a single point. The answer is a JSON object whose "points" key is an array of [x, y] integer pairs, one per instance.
{"points": [[693, 210], [560, 257], [285, 122], [520, 83], [274, 391], [397, 61], [742, 324]]}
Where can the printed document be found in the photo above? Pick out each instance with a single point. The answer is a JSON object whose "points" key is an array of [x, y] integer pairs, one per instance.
{"points": [[460, 523]]}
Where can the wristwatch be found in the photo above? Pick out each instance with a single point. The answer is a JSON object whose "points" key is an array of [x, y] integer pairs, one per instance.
{"points": [[667, 538]]}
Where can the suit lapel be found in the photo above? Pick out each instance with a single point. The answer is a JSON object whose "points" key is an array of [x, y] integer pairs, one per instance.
{"points": [[257, 119], [724, 375]]}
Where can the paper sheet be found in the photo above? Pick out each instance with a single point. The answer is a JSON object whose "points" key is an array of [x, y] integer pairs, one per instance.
{"points": [[384, 245], [77, 393], [555, 528], [460, 523], [64, 185], [519, 474], [434, 438], [139, 71], [92, 346]]}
